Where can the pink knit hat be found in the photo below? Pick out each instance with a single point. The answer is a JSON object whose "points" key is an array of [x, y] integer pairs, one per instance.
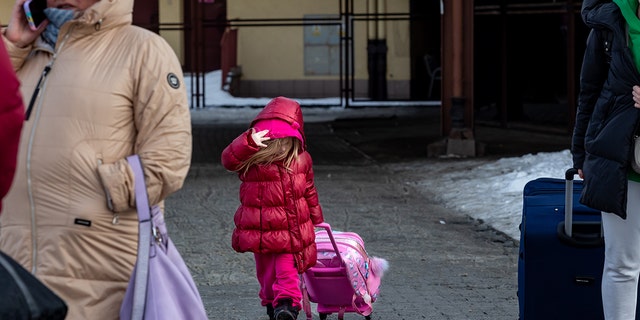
{"points": [[279, 128]]}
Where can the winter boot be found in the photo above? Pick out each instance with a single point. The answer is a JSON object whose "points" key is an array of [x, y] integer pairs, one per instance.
{"points": [[285, 310], [270, 312]]}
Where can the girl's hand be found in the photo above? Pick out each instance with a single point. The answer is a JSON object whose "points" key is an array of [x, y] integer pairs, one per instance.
{"points": [[636, 96], [259, 137], [18, 31]]}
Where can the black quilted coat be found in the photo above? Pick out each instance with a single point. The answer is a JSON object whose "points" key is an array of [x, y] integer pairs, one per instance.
{"points": [[606, 118]]}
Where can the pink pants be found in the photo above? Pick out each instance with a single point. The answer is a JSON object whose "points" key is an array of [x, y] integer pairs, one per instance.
{"points": [[278, 278]]}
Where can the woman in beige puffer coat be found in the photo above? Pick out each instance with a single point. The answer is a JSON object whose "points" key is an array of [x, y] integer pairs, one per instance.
{"points": [[112, 90]]}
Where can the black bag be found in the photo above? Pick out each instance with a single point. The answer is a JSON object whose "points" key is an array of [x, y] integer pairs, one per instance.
{"points": [[23, 296]]}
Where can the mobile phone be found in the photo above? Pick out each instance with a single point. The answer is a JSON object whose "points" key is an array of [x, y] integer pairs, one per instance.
{"points": [[34, 10]]}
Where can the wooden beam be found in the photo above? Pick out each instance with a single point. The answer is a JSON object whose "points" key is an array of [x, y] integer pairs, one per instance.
{"points": [[457, 64]]}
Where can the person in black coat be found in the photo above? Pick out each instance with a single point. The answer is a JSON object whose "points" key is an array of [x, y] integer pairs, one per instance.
{"points": [[602, 144]]}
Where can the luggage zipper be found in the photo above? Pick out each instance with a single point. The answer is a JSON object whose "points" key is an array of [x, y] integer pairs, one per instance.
{"points": [[348, 242], [546, 191]]}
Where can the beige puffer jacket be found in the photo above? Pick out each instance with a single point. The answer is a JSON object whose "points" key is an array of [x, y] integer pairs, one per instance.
{"points": [[113, 90]]}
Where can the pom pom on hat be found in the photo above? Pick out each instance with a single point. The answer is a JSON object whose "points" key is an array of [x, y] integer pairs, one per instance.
{"points": [[279, 128]]}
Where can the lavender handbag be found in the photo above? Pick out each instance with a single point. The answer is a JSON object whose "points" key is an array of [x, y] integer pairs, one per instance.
{"points": [[161, 286]]}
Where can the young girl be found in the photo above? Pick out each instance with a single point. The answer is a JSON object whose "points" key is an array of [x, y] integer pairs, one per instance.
{"points": [[278, 204]]}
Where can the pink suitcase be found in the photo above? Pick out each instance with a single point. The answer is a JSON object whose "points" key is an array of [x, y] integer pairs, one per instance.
{"points": [[345, 278]]}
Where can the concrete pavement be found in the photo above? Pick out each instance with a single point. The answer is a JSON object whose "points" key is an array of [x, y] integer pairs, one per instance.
{"points": [[443, 264]]}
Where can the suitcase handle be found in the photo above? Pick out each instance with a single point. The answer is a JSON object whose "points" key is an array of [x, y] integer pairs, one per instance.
{"points": [[588, 233], [327, 227], [568, 201]]}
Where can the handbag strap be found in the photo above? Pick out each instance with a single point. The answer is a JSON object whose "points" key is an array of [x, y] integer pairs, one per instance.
{"points": [[34, 310], [144, 239]]}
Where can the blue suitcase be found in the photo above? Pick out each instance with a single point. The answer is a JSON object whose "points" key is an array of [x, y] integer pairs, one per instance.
{"points": [[561, 254]]}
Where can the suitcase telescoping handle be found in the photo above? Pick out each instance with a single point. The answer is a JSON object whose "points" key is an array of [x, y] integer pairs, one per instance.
{"points": [[568, 201], [327, 227], [591, 235]]}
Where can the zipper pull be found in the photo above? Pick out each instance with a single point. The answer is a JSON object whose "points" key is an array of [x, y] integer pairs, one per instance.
{"points": [[36, 92], [116, 219]]}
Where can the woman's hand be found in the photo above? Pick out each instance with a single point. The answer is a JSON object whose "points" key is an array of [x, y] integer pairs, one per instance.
{"points": [[636, 96], [259, 137], [18, 31]]}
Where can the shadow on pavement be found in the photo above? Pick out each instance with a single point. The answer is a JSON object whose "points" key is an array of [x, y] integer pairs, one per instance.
{"points": [[387, 138]]}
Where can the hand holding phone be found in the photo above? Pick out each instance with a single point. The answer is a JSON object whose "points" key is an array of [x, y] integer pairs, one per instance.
{"points": [[34, 10]]}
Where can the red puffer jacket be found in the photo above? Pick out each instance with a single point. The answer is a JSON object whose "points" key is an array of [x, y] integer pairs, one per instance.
{"points": [[11, 119], [278, 207]]}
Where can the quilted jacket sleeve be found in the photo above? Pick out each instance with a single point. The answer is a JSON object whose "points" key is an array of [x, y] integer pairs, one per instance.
{"points": [[239, 150], [163, 122], [17, 55], [592, 77], [311, 194]]}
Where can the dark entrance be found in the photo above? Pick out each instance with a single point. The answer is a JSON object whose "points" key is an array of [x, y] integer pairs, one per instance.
{"points": [[204, 25], [145, 14], [425, 30], [528, 57]]}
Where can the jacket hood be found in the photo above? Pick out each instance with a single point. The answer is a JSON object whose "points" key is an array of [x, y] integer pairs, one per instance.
{"points": [[284, 109], [101, 16], [105, 14], [599, 13]]}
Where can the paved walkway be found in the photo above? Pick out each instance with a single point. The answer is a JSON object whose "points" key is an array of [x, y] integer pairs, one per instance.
{"points": [[443, 264]]}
